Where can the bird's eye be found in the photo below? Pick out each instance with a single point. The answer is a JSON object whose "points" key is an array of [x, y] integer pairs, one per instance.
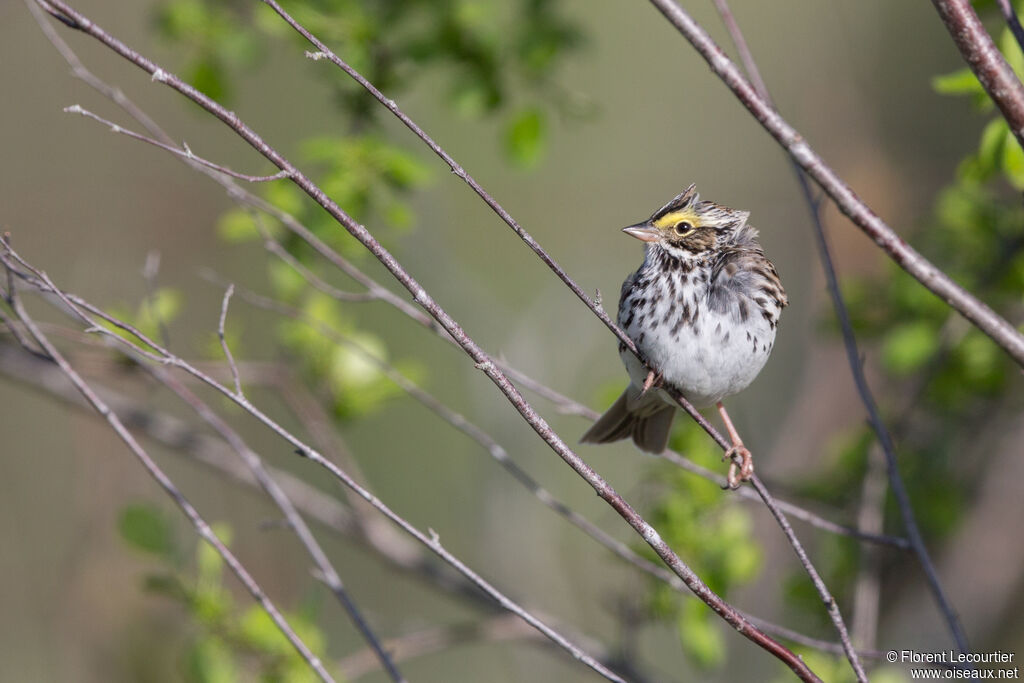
{"points": [[683, 228]]}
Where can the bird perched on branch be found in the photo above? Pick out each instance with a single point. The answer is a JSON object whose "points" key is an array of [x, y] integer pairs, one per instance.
{"points": [[702, 310]]}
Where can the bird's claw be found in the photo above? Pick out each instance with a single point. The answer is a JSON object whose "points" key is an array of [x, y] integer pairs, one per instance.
{"points": [[741, 468], [652, 380]]}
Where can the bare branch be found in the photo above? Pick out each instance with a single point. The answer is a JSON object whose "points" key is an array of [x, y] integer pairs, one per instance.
{"points": [[985, 60], [185, 151], [223, 340], [867, 590], [830, 602], [907, 258]]}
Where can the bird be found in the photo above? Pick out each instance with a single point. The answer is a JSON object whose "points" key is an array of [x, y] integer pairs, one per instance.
{"points": [[702, 311]]}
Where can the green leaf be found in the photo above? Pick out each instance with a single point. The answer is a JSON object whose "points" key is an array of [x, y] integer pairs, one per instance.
{"points": [[206, 76], [1013, 162], [287, 281], [209, 563], [144, 527], [237, 225], [990, 149], [1011, 51], [908, 346], [169, 585], [699, 635], [960, 82], [211, 660], [525, 137]]}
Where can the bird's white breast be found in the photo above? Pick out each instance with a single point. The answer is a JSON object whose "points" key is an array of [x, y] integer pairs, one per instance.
{"points": [[715, 355]]}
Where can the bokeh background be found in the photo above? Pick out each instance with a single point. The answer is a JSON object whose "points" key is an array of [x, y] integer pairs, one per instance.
{"points": [[89, 207]]}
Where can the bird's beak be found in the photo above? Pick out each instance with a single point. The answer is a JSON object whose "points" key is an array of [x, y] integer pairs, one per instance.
{"points": [[643, 232]]}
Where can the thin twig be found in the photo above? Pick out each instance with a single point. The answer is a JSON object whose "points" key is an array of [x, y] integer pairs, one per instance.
{"points": [[201, 526], [150, 271], [819, 585], [853, 357], [986, 61], [184, 151], [224, 341], [867, 589], [906, 257]]}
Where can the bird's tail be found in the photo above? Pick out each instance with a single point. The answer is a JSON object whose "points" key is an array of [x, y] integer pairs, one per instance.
{"points": [[647, 419]]}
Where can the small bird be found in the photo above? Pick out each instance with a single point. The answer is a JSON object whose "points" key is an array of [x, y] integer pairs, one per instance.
{"points": [[702, 310]]}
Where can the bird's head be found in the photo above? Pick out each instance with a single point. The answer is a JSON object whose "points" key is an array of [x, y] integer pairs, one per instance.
{"points": [[688, 228]]}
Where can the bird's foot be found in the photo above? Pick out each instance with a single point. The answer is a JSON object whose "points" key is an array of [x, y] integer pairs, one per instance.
{"points": [[653, 379], [741, 467]]}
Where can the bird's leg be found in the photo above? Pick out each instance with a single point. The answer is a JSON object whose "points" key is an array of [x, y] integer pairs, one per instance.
{"points": [[745, 470], [652, 380]]}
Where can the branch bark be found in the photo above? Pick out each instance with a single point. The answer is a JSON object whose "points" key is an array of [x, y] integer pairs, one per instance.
{"points": [[985, 60]]}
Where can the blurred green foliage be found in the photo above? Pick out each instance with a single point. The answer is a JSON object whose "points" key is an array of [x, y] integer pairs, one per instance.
{"points": [[500, 61], [228, 642]]}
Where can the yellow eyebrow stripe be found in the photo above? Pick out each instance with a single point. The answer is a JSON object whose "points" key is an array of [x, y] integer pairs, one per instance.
{"points": [[674, 217]]}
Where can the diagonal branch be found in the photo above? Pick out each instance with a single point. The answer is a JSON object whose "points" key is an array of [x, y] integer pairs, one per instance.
{"points": [[906, 257], [853, 356]]}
